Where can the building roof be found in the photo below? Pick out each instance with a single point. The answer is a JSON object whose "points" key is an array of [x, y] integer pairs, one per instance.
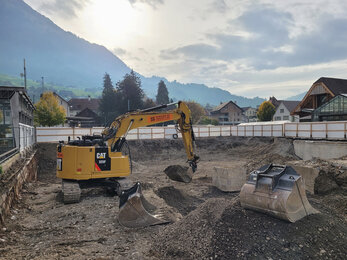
{"points": [[56, 94], [275, 101], [218, 108], [336, 86], [82, 103], [290, 105], [21, 90]]}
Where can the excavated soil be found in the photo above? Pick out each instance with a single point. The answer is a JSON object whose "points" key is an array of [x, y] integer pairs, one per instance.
{"points": [[207, 223]]}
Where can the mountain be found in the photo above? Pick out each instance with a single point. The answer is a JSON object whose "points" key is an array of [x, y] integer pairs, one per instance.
{"points": [[64, 59], [297, 97]]}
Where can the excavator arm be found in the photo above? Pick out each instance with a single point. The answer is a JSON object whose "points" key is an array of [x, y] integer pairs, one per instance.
{"points": [[115, 134]]}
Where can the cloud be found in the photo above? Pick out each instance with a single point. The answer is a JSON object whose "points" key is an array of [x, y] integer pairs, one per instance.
{"points": [[119, 51], [66, 9], [266, 42], [219, 6], [152, 3]]}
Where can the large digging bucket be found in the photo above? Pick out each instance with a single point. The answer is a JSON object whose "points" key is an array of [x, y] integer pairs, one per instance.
{"points": [[276, 190], [133, 209]]}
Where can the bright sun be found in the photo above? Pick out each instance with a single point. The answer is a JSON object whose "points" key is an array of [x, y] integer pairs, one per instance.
{"points": [[112, 19]]}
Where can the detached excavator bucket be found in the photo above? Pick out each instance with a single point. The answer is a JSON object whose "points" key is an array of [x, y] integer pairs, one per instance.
{"points": [[276, 190], [133, 209]]}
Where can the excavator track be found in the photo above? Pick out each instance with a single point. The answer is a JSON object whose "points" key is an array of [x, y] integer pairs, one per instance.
{"points": [[71, 191]]}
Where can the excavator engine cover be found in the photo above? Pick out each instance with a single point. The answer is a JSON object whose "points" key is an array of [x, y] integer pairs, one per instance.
{"points": [[133, 209], [276, 190]]}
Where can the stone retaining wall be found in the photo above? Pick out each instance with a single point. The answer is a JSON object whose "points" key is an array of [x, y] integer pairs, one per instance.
{"points": [[11, 192]]}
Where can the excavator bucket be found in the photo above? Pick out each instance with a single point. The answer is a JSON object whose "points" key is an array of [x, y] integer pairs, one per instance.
{"points": [[276, 190], [133, 209]]}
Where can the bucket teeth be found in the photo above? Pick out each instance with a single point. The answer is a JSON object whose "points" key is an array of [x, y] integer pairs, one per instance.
{"points": [[276, 190], [133, 212]]}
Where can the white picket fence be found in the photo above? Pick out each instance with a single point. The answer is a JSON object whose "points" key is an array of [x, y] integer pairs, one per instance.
{"points": [[309, 130]]}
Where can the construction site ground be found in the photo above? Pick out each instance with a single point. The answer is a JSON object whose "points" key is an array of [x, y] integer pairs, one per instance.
{"points": [[208, 223]]}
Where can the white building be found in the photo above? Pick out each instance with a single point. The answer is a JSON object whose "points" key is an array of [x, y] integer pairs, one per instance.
{"points": [[284, 109]]}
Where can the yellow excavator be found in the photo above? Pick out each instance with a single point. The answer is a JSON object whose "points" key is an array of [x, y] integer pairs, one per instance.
{"points": [[98, 160]]}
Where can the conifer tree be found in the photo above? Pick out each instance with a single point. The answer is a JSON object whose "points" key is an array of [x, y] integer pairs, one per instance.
{"points": [[163, 94]]}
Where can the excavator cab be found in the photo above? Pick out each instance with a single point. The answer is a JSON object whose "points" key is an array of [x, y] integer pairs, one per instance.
{"points": [[277, 190]]}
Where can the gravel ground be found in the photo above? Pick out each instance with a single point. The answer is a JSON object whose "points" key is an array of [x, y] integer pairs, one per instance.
{"points": [[208, 223]]}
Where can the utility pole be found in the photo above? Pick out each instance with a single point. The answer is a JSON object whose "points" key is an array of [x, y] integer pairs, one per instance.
{"points": [[25, 76], [128, 105], [42, 84]]}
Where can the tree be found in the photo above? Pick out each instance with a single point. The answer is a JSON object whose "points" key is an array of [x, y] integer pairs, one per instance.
{"points": [[204, 120], [197, 111], [266, 111], [148, 103], [48, 112], [163, 94], [130, 93], [110, 102], [1, 117]]}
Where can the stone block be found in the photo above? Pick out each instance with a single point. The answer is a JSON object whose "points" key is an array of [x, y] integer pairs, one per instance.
{"points": [[229, 178]]}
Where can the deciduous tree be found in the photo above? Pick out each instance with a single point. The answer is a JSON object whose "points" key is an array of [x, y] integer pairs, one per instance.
{"points": [[48, 111], [197, 111], [162, 94], [266, 111]]}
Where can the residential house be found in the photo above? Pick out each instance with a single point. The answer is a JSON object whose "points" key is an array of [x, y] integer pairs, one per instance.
{"points": [[228, 113], [15, 108], [250, 114], [85, 118], [62, 102], [79, 104], [284, 109], [321, 92]]}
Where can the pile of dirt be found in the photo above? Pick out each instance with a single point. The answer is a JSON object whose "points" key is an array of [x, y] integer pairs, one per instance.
{"points": [[179, 173], [331, 177], [178, 199], [47, 153], [250, 235], [190, 238], [222, 229]]}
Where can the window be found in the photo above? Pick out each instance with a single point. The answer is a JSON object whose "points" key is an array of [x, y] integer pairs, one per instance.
{"points": [[277, 118], [285, 117], [281, 110]]}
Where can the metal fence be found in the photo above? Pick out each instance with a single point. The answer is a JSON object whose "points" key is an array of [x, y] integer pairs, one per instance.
{"points": [[27, 136], [309, 130]]}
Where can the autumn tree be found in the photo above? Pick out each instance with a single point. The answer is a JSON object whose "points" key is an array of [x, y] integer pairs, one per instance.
{"points": [[197, 111], [163, 94], [266, 111], [130, 93], [48, 111], [1, 117], [109, 102]]}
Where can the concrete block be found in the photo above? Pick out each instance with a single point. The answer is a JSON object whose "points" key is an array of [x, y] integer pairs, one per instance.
{"points": [[308, 174], [229, 178], [307, 150]]}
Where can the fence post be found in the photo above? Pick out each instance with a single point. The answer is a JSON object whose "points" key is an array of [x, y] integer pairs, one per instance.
{"points": [[310, 130], [209, 131], [272, 130], [262, 131], [297, 130]]}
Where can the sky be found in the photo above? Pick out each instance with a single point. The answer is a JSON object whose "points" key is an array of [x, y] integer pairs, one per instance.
{"points": [[248, 47]]}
